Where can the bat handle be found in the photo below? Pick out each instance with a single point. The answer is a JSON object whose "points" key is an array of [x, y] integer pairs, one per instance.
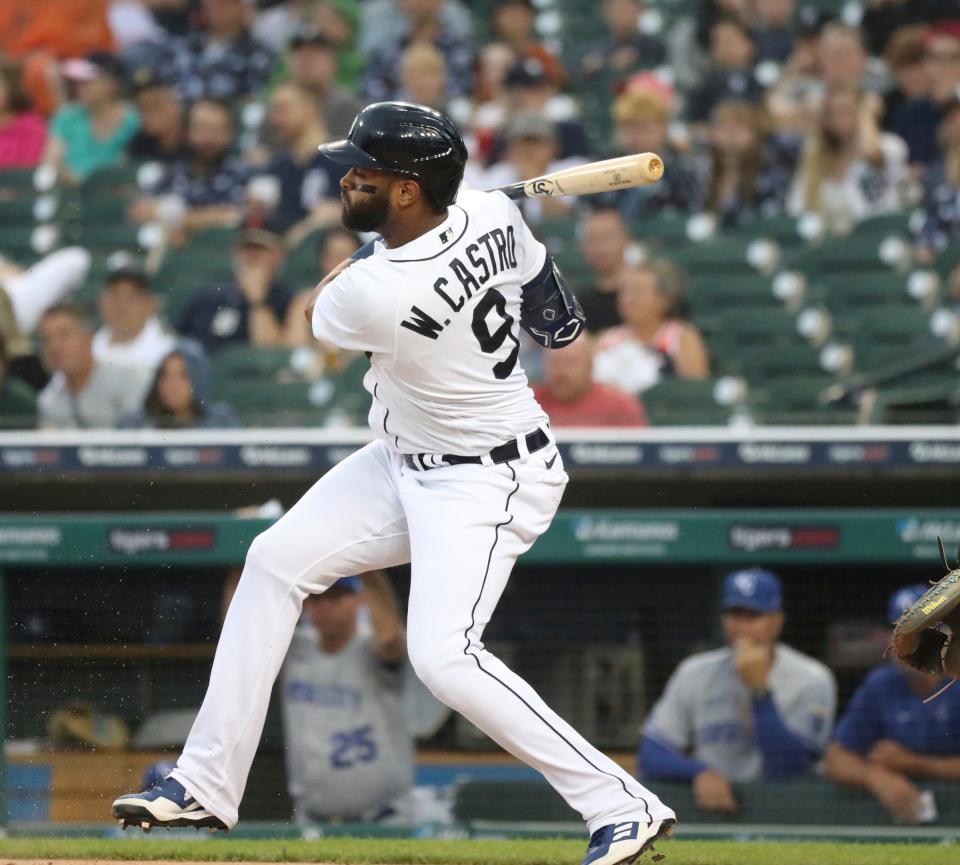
{"points": [[366, 250], [511, 190]]}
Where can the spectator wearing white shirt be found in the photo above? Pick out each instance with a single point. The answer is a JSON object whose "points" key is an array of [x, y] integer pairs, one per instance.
{"points": [[655, 341], [132, 334], [850, 169]]}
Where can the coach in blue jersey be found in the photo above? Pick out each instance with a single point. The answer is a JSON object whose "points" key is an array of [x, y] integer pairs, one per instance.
{"points": [[889, 736], [756, 709]]}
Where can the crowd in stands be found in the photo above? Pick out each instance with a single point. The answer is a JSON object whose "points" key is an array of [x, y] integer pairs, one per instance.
{"points": [[761, 109]]}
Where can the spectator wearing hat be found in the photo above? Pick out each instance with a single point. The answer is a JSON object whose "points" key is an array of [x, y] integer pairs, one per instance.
{"points": [[315, 65], [424, 22], [889, 739], [93, 131], [162, 136], [624, 49], [532, 150], [349, 743], [513, 22], [571, 397], [254, 308], [82, 393], [23, 133], [180, 395], [755, 709], [132, 334], [222, 60], [530, 90], [308, 183], [204, 189]]}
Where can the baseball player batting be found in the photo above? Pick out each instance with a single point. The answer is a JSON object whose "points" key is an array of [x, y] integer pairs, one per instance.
{"points": [[463, 476]]}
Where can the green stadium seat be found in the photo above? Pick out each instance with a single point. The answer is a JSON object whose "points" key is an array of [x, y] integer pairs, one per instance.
{"points": [[16, 183], [879, 336], [750, 326], [838, 256], [918, 404], [847, 298], [684, 402], [669, 227], [244, 363], [709, 294], [765, 365], [719, 255], [271, 403], [302, 268]]}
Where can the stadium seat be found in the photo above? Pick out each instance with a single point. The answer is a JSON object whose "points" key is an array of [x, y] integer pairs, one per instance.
{"points": [[719, 255], [766, 365], [708, 294], [272, 404], [748, 326], [863, 291], [682, 402], [243, 363]]}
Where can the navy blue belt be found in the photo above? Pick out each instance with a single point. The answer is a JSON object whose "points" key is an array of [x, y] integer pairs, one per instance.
{"points": [[535, 440]]}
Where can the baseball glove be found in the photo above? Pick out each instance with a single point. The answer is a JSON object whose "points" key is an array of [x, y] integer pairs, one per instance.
{"points": [[926, 635]]}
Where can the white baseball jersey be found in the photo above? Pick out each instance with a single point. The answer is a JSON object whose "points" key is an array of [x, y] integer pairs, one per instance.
{"points": [[440, 316], [348, 741]]}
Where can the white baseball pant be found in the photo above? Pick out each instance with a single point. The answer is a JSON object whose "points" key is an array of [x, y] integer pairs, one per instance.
{"points": [[462, 528]]}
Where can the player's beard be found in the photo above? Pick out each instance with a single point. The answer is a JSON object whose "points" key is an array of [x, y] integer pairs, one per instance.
{"points": [[367, 215]]}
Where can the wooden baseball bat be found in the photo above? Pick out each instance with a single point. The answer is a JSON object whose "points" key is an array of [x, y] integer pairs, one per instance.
{"points": [[623, 172]]}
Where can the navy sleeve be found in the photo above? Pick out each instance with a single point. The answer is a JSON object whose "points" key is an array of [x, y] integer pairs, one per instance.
{"points": [[657, 761], [861, 727], [784, 755], [279, 300]]}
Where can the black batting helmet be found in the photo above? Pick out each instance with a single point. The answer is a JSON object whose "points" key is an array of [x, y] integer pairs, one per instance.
{"points": [[409, 139]]}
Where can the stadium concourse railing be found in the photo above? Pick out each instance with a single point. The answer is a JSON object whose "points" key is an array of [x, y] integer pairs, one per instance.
{"points": [[822, 536], [701, 448]]}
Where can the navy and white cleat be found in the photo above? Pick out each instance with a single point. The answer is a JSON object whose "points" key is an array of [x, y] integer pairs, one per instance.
{"points": [[166, 804], [622, 843]]}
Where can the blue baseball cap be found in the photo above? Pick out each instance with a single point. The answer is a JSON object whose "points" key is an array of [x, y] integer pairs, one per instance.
{"points": [[753, 589], [902, 598]]}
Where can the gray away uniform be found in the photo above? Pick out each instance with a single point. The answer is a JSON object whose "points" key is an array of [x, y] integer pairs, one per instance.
{"points": [[348, 740]]}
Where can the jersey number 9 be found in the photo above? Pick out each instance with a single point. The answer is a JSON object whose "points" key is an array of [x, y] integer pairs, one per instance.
{"points": [[490, 342]]}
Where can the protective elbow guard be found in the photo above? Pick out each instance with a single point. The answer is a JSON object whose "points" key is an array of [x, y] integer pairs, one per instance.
{"points": [[549, 312]]}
